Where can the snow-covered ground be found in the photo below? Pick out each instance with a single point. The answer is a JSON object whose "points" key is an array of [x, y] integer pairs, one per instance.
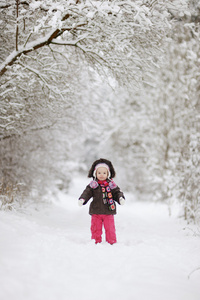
{"points": [[48, 254]]}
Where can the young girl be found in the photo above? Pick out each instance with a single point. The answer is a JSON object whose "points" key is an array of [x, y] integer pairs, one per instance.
{"points": [[105, 193]]}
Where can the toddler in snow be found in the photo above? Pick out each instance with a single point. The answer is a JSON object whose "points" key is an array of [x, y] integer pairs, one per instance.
{"points": [[105, 193]]}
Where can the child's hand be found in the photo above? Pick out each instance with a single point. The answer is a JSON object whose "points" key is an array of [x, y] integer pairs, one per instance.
{"points": [[80, 202], [121, 200]]}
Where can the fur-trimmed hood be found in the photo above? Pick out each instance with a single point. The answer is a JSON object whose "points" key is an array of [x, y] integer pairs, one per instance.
{"points": [[102, 161]]}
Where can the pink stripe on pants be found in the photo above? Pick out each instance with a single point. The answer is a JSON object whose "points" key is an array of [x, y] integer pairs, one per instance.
{"points": [[97, 223]]}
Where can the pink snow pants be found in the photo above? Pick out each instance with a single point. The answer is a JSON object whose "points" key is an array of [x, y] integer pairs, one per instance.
{"points": [[97, 223]]}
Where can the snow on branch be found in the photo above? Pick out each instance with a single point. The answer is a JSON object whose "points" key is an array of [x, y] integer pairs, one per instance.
{"points": [[32, 46]]}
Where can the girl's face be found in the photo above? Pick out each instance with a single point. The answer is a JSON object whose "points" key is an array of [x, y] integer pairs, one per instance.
{"points": [[102, 173]]}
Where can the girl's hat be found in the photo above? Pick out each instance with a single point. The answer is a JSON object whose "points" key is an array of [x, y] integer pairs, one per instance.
{"points": [[101, 165], [104, 163]]}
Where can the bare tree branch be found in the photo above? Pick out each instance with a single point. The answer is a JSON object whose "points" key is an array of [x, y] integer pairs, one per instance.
{"points": [[32, 46]]}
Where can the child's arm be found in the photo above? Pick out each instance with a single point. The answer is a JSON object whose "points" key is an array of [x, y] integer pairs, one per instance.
{"points": [[118, 195], [85, 196]]}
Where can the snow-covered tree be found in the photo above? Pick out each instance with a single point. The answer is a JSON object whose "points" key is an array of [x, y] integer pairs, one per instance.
{"points": [[158, 136], [46, 43], [51, 54], [153, 133]]}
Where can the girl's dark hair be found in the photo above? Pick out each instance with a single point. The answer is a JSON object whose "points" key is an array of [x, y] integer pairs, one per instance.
{"points": [[102, 161]]}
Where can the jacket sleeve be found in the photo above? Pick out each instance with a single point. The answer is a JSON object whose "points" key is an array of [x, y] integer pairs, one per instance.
{"points": [[117, 193], [87, 194]]}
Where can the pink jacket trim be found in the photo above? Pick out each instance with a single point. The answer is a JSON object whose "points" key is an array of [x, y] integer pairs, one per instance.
{"points": [[112, 185], [94, 184]]}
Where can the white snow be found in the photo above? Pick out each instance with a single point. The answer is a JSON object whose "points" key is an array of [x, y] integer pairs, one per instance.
{"points": [[48, 254]]}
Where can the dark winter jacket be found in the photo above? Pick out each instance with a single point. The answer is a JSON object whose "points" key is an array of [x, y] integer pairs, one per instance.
{"points": [[93, 190]]}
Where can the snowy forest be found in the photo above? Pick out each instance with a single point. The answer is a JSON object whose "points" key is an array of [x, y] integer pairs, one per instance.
{"points": [[82, 80], [85, 79]]}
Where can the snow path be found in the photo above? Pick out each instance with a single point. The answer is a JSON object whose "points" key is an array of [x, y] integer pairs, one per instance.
{"points": [[47, 254]]}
